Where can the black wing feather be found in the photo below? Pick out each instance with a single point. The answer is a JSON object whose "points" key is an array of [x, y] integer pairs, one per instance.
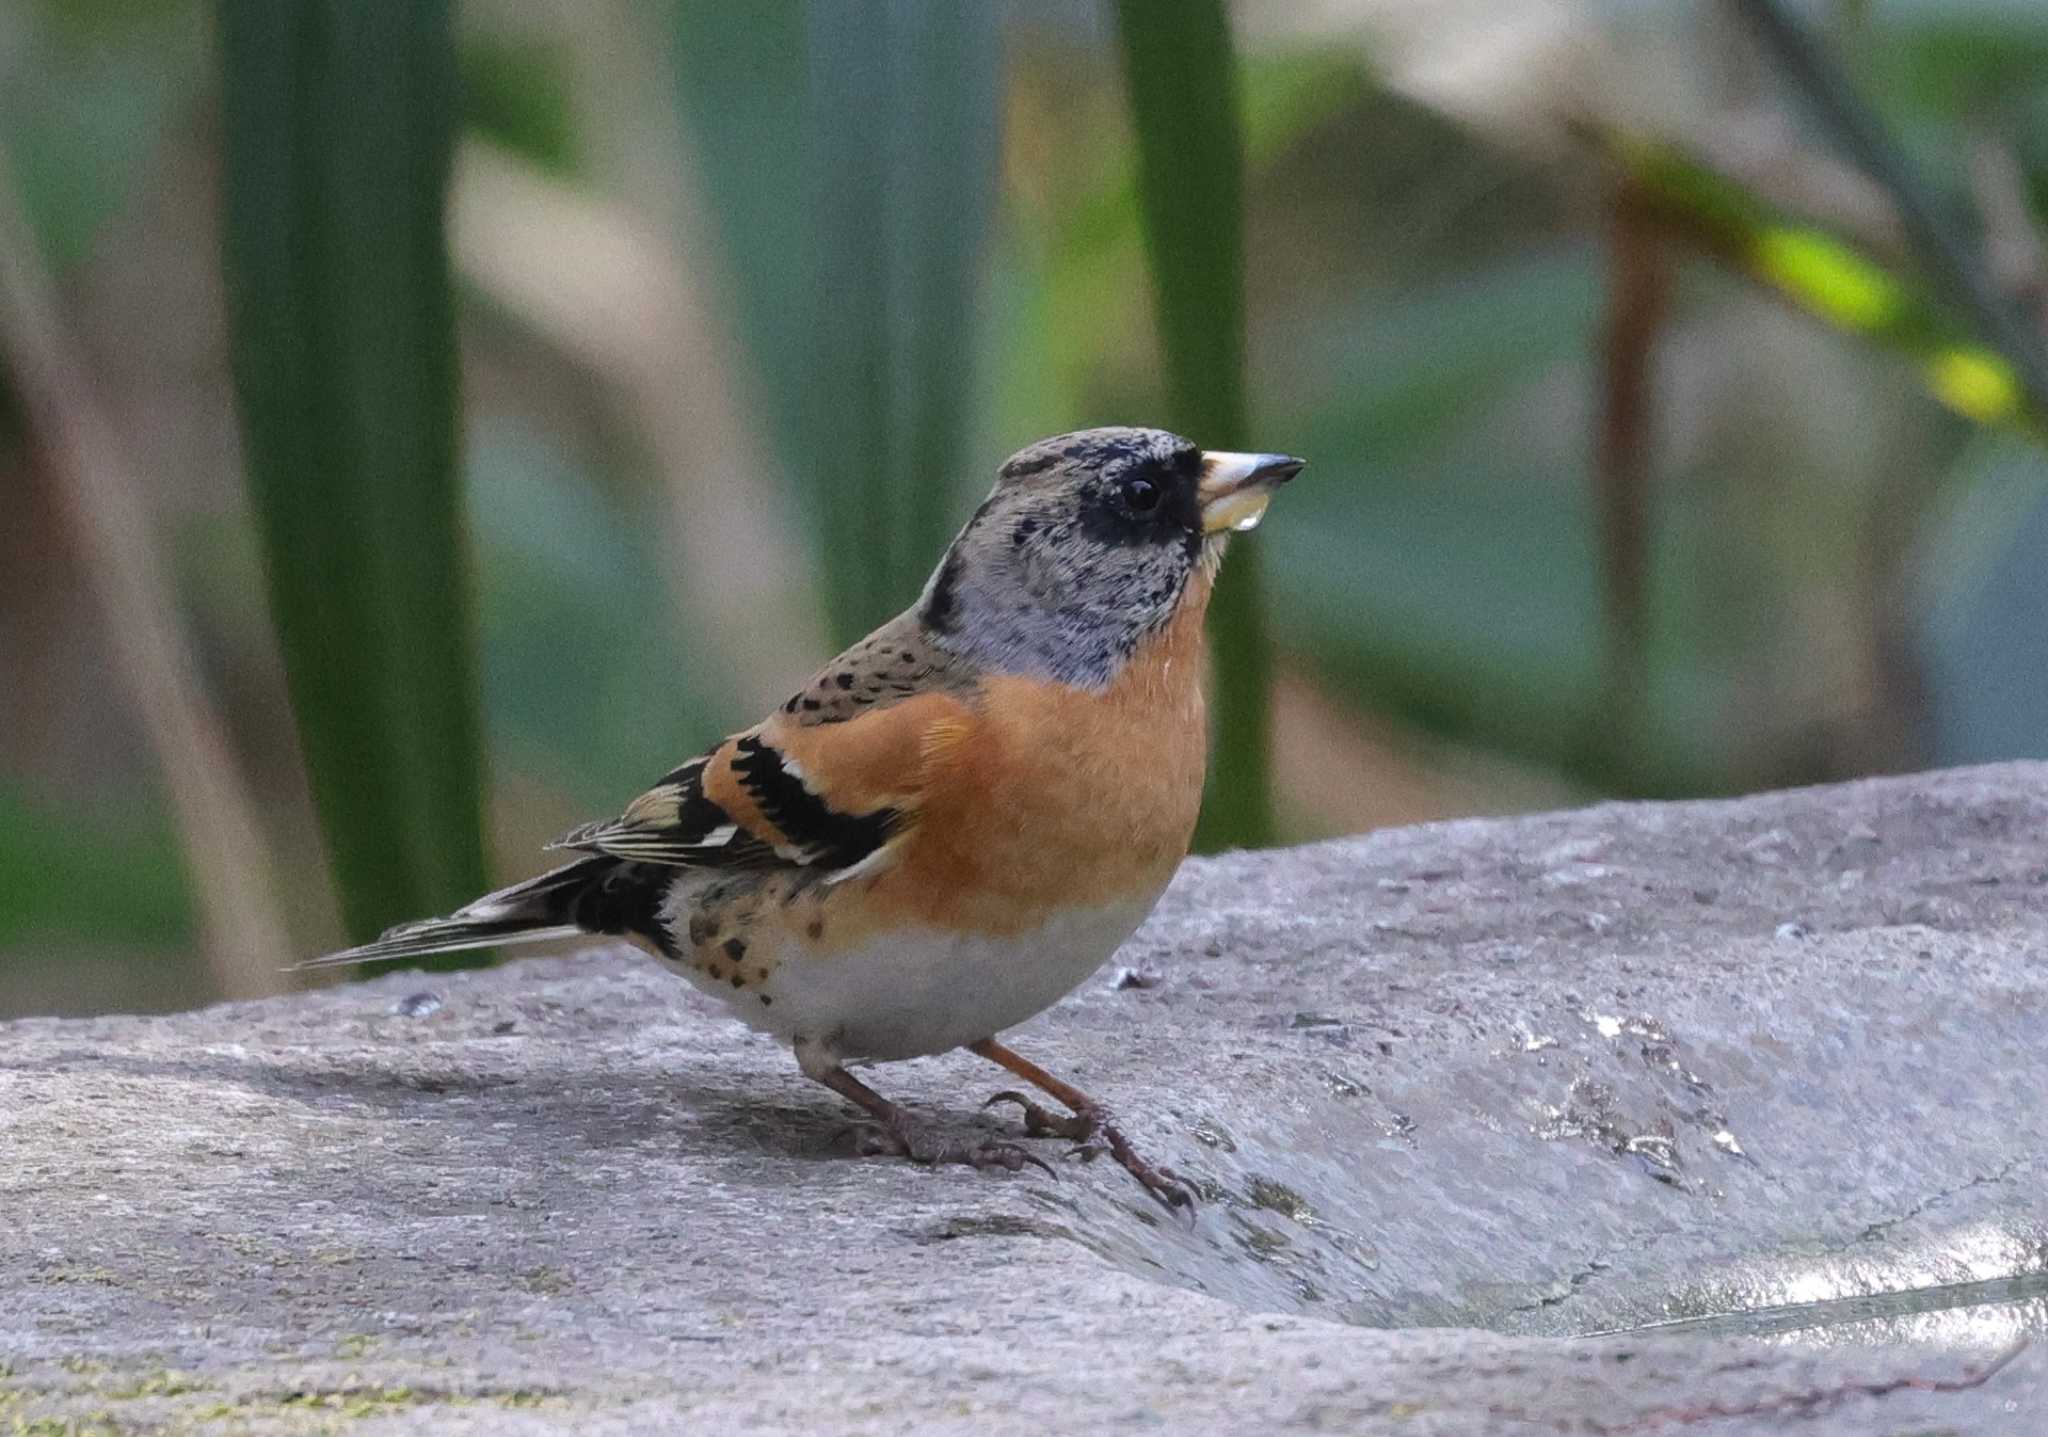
{"points": [[700, 834], [693, 830], [819, 833]]}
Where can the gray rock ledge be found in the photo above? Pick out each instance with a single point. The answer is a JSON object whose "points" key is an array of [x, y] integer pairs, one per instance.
{"points": [[1504, 1126]]}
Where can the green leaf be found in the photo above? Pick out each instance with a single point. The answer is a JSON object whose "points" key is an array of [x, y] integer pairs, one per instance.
{"points": [[516, 92], [742, 86], [1181, 76], [851, 155], [338, 126], [902, 135]]}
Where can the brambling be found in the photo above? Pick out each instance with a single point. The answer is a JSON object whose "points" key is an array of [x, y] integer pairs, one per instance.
{"points": [[959, 818]]}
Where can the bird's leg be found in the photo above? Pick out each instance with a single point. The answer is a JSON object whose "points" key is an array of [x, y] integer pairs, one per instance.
{"points": [[892, 1134], [1090, 1120]]}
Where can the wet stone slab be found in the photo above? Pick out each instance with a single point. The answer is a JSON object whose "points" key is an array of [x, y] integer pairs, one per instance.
{"points": [[1637, 1118]]}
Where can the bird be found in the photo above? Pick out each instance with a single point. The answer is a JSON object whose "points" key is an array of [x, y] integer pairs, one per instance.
{"points": [[957, 820]]}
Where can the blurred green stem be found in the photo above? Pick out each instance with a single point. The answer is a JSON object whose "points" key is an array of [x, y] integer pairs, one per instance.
{"points": [[338, 123], [1181, 75], [1831, 280], [1946, 255], [902, 105]]}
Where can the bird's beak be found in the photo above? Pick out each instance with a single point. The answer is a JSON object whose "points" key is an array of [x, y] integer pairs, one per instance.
{"points": [[1236, 488]]}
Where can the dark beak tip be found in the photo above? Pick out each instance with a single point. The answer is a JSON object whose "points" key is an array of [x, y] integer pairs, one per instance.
{"points": [[1281, 468]]}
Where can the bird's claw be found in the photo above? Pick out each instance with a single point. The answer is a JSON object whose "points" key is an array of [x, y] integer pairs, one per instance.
{"points": [[1041, 1122], [1092, 1133]]}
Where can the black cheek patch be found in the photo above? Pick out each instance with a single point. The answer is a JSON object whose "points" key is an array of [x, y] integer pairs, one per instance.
{"points": [[1101, 519]]}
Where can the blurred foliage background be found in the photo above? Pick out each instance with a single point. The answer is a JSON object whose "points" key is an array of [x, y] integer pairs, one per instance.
{"points": [[422, 424]]}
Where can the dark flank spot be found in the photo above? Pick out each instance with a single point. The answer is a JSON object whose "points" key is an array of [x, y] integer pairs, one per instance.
{"points": [[739, 980], [811, 706], [790, 707], [735, 949], [766, 1001], [816, 928], [844, 680]]}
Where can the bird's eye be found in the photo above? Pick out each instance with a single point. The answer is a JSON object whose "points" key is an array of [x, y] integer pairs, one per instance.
{"points": [[1140, 496]]}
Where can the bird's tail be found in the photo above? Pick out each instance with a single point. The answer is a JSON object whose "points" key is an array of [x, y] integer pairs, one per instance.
{"points": [[566, 901]]}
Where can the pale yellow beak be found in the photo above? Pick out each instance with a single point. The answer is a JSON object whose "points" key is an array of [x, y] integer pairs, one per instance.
{"points": [[1236, 488]]}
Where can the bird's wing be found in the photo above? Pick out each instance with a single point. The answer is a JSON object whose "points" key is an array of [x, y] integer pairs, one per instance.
{"points": [[824, 795]]}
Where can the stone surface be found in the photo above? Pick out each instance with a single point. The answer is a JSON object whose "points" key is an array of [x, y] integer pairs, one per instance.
{"points": [[1732, 1067]]}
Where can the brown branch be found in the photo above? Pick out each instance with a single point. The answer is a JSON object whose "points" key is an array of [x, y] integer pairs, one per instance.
{"points": [[100, 496], [1638, 298]]}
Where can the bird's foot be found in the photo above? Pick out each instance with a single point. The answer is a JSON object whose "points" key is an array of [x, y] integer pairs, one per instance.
{"points": [[900, 1140], [1043, 1122], [1092, 1131]]}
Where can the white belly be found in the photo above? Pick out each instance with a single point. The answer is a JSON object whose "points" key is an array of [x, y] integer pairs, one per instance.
{"points": [[920, 991]]}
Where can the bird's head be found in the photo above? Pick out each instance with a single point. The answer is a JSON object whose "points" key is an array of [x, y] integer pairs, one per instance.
{"points": [[1087, 544]]}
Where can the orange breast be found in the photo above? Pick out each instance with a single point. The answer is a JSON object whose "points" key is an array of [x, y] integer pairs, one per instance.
{"points": [[1056, 796]]}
